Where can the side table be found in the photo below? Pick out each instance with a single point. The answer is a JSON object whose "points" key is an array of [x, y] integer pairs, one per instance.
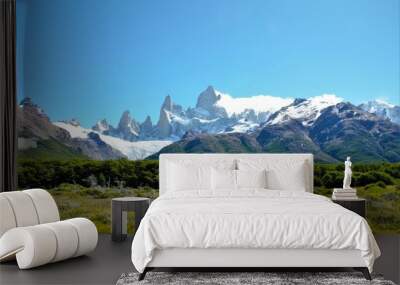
{"points": [[357, 205], [119, 214]]}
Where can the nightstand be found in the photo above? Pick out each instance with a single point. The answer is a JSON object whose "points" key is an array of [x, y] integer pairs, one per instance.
{"points": [[357, 205], [119, 214]]}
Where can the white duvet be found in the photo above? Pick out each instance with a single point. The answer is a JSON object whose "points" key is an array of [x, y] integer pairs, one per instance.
{"points": [[250, 219]]}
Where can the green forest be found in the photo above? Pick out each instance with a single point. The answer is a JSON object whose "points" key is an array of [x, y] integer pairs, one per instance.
{"points": [[85, 187]]}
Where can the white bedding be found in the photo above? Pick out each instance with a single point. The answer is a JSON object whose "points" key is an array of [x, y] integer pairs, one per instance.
{"points": [[250, 219]]}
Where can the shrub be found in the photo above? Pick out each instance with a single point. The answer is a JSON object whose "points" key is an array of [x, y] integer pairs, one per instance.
{"points": [[50, 174], [372, 177], [332, 179]]}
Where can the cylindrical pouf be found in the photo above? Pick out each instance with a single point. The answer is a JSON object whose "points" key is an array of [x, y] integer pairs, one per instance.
{"points": [[87, 235]]}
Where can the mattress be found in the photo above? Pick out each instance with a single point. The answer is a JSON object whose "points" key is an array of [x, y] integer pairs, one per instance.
{"points": [[252, 219]]}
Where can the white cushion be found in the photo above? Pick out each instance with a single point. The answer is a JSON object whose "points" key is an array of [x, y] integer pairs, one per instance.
{"points": [[46, 207], [223, 179], [67, 240], [87, 233], [251, 179], [283, 174], [172, 172], [186, 178], [7, 218], [23, 208]]}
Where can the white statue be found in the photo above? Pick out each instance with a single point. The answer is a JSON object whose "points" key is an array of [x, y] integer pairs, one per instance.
{"points": [[347, 174]]}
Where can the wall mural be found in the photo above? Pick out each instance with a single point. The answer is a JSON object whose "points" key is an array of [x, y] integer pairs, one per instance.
{"points": [[101, 96]]}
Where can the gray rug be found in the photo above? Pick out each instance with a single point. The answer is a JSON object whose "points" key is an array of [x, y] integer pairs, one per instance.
{"points": [[228, 278]]}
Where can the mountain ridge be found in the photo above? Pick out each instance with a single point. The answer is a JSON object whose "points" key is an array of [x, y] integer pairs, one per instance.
{"points": [[325, 125], [331, 133], [216, 112]]}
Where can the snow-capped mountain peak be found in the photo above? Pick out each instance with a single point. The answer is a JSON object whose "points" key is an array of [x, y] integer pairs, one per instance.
{"points": [[126, 123], [217, 112], [207, 98], [383, 109], [305, 110], [128, 128], [101, 126], [207, 107]]}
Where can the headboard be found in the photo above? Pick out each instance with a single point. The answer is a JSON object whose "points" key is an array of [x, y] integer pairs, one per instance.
{"points": [[209, 158]]}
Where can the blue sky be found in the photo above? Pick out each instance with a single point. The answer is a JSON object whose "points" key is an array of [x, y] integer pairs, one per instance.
{"points": [[93, 59]]}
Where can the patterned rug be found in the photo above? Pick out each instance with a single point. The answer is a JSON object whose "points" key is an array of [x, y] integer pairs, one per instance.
{"points": [[269, 278]]}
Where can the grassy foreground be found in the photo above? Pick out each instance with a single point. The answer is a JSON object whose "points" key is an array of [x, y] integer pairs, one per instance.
{"points": [[94, 203]]}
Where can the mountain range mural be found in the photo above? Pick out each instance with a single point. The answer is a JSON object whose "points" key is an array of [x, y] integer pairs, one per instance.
{"points": [[325, 125]]}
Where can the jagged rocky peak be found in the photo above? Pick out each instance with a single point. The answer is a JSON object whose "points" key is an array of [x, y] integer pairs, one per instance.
{"points": [[128, 128], [28, 105], [168, 109], [167, 105], [207, 108], [147, 122], [207, 98], [170, 106], [102, 126], [146, 128], [125, 120], [164, 127], [127, 123]]}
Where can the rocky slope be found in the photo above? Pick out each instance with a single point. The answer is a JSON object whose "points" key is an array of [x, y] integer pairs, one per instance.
{"points": [[36, 133], [383, 110]]}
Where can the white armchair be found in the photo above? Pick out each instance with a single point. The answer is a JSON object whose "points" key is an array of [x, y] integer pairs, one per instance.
{"points": [[31, 230]]}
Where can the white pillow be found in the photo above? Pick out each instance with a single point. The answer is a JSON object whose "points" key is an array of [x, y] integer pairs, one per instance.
{"points": [[284, 174], [251, 178], [223, 179], [184, 178], [292, 179]]}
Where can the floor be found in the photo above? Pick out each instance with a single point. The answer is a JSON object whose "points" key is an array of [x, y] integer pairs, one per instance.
{"points": [[110, 260], [104, 266]]}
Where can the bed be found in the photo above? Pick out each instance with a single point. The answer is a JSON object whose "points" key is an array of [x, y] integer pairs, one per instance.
{"points": [[246, 211]]}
